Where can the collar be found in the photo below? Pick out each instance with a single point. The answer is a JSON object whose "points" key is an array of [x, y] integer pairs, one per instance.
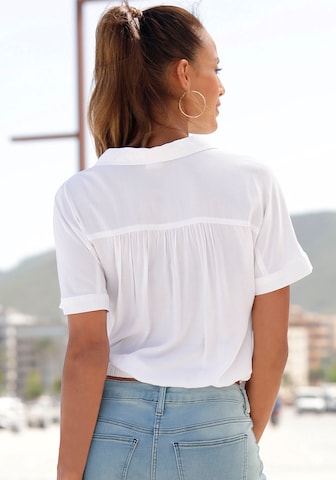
{"points": [[163, 153]]}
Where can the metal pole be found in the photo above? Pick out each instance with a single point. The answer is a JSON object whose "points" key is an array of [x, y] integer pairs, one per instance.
{"points": [[80, 96], [51, 136], [80, 91]]}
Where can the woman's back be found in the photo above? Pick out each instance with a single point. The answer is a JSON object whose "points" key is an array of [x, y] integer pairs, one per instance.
{"points": [[175, 256]]}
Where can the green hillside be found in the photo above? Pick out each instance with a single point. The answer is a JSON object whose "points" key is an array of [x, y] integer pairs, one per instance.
{"points": [[317, 234], [32, 286]]}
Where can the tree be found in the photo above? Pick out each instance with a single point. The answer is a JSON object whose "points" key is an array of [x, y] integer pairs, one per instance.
{"points": [[34, 387], [330, 374], [57, 385]]}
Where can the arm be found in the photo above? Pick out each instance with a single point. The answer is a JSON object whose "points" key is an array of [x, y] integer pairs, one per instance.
{"points": [[270, 325], [83, 379]]}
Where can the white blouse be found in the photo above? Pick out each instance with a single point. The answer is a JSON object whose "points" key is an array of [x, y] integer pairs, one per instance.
{"points": [[174, 242]]}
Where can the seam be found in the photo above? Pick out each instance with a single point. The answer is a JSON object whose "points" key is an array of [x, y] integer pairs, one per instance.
{"points": [[156, 431], [170, 226]]}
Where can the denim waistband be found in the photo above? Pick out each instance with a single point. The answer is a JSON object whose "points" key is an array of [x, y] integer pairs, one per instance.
{"points": [[139, 390]]}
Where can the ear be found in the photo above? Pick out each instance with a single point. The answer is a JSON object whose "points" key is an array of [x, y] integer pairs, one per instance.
{"points": [[182, 74]]}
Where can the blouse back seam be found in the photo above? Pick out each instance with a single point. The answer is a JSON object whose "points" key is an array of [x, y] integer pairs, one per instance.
{"points": [[152, 227]]}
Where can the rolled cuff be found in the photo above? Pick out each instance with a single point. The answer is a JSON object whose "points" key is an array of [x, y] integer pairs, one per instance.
{"points": [[292, 272], [85, 303]]}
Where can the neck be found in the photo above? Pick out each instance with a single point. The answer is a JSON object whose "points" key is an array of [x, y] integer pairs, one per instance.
{"points": [[163, 134]]}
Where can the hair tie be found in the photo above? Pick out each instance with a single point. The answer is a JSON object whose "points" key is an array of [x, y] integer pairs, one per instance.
{"points": [[133, 18]]}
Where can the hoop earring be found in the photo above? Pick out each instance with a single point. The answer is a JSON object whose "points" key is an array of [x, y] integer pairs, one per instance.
{"points": [[186, 114]]}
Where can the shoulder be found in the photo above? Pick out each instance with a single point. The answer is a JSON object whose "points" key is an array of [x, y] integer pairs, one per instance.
{"points": [[241, 161], [242, 167], [76, 184]]}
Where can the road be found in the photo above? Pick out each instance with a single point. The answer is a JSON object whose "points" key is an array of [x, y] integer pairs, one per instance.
{"points": [[301, 447]]}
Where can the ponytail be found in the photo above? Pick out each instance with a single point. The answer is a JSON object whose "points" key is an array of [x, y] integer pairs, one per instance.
{"points": [[133, 50]]}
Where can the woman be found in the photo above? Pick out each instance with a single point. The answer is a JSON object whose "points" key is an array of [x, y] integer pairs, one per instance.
{"points": [[170, 253]]}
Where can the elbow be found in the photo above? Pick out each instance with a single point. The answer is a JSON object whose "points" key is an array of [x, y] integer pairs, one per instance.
{"points": [[272, 354], [283, 347], [280, 354], [90, 353], [284, 355]]}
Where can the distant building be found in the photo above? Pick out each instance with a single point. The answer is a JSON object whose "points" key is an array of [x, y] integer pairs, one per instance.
{"points": [[297, 367], [312, 343], [27, 346]]}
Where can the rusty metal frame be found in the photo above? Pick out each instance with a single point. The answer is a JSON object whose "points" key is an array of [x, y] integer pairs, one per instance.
{"points": [[80, 134]]}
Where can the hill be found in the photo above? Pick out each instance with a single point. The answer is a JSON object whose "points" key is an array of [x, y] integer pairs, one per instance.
{"points": [[32, 286], [317, 234]]}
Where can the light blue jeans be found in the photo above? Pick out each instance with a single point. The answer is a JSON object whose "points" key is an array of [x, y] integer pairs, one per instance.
{"points": [[145, 432]]}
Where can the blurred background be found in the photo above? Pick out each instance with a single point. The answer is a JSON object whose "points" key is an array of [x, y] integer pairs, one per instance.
{"points": [[279, 72]]}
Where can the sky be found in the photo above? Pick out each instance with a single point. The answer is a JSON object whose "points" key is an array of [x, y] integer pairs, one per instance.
{"points": [[278, 69]]}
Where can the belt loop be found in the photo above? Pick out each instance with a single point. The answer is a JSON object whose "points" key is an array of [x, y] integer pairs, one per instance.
{"points": [[161, 400]]}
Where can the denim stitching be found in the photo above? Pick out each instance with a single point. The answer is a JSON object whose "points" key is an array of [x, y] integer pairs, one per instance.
{"points": [[131, 426], [156, 433]]}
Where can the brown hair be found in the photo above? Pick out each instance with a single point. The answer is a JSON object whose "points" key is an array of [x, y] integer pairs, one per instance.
{"points": [[133, 51]]}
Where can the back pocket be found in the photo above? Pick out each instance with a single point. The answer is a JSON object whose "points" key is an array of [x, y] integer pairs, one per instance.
{"points": [[223, 459], [109, 457]]}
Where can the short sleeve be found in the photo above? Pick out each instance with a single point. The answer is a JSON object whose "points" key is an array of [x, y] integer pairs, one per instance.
{"points": [[81, 276], [279, 258]]}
